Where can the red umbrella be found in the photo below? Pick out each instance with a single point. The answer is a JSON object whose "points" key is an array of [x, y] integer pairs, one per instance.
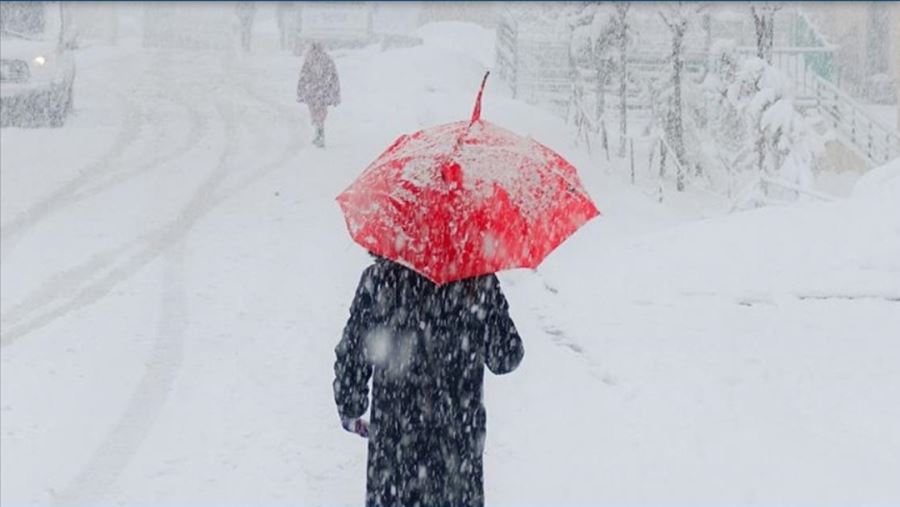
{"points": [[465, 199]]}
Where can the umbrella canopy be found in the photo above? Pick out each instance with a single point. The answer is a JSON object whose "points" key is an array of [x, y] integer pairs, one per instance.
{"points": [[465, 199]]}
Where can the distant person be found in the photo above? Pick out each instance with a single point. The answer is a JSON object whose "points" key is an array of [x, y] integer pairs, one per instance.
{"points": [[318, 88], [424, 348], [245, 13], [285, 16]]}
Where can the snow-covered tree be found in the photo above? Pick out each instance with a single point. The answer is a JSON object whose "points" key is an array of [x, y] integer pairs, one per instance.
{"points": [[622, 32], [788, 139], [602, 40], [677, 17], [724, 127], [754, 130], [764, 25]]}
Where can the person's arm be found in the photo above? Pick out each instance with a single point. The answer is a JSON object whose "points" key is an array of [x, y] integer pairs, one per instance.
{"points": [[303, 82], [335, 83], [352, 370], [300, 89], [503, 346]]}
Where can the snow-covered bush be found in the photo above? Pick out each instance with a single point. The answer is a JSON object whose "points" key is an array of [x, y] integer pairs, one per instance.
{"points": [[786, 141], [755, 133]]}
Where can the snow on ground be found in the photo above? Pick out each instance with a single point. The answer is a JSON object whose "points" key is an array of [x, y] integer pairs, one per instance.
{"points": [[175, 274], [749, 358], [884, 114]]}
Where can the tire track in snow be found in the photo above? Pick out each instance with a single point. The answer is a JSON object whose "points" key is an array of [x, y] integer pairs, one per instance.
{"points": [[147, 400], [121, 444], [93, 481], [199, 127], [85, 185], [126, 136], [149, 247], [60, 284], [294, 127]]}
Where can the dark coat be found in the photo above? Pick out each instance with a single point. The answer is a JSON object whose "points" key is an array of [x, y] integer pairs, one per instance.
{"points": [[245, 12], [319, 85], [425, 347]]}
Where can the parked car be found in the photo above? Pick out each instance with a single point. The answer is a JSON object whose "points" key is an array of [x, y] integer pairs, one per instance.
{"points": [[334, 25], [37, 70]]}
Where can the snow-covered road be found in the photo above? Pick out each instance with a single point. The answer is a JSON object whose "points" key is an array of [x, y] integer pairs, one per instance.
{"points": [[175, 275]]}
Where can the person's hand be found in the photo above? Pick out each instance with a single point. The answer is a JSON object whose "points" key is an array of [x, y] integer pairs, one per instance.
{"points": [[358, 426]]}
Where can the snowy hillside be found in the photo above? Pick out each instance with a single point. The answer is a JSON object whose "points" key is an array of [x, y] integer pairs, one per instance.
{"points": [[176, 274]]}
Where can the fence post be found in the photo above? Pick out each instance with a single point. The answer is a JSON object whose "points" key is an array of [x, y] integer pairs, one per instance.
{"points": [[662, 159], [887, 147], [869, 137], [605, 140], [631, 144], [837, 110], [662, 168], [515, 61], [818, 96]]}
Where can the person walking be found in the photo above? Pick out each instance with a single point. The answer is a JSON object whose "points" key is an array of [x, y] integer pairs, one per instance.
{"points": [[245, 13], [318, 87], [286, 16], [424, 346]]}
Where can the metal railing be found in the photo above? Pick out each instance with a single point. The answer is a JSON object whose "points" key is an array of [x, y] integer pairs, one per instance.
{"points": [[808, 68], [535, 63], [876, 142], [538, 69]]}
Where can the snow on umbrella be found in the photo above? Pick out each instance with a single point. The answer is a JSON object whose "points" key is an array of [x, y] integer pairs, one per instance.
{"points": [[465, 199]]}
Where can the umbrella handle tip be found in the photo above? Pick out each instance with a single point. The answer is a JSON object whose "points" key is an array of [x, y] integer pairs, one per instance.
{"points": [[476, 113]]}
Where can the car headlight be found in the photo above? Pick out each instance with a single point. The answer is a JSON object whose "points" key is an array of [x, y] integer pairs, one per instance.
{"points": [[40, 60]]}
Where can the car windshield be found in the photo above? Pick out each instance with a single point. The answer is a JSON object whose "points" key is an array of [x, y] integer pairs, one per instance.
{"points": [[27, 20]]}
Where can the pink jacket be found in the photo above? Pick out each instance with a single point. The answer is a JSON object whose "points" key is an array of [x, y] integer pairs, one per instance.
{"points": [[319, 84]]}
